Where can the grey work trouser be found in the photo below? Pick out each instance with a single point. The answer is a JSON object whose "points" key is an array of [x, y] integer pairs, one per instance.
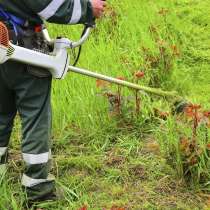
{"points": [[29, 96]]}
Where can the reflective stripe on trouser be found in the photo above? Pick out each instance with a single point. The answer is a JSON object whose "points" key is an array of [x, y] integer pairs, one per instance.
{"points": [[32, 159], [36, 178], [31, 96], [30, 182]]}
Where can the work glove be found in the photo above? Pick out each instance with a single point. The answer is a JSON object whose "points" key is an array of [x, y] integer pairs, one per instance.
{"points": [[98, 7]]}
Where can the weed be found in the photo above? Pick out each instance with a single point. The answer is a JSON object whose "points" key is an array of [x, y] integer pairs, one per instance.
{"points": [[187, 145]]}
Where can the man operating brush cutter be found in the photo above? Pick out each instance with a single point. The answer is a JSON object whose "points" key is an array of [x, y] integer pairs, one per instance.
{"points": [[25, 88]]}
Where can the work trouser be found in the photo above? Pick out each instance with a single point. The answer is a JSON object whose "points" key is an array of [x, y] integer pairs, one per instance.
{"points": [[29, 96]]}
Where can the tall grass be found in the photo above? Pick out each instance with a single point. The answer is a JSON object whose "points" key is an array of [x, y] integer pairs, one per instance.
{"points": [[115, 49]]}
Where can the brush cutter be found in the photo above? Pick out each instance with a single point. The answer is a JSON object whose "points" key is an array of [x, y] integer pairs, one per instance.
{"points": [[57, 62]]}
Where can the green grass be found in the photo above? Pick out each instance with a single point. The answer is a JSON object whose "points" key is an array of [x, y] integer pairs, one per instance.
{"points": [[103, 161]]}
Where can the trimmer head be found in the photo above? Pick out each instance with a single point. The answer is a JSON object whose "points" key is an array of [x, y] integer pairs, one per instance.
{"points": [[180, 106]]}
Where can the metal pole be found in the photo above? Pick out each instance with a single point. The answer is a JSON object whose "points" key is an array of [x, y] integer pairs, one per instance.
{"points": [[88, 73], [155, 91]]}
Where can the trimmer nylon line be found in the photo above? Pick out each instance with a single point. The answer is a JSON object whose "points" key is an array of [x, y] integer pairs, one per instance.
{"points": [[155, 91]]}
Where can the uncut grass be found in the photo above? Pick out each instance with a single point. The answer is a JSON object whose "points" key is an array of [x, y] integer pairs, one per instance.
{"points": [[111, 45], [103, 163]]}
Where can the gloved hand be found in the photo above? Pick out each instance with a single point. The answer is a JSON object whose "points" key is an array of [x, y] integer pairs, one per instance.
{"points": [[98, 7]]}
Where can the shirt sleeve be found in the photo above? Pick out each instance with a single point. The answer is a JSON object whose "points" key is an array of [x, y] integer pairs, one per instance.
{"points": [[62, 11]]}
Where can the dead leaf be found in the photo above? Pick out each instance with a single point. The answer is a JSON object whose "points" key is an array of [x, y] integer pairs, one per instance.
{"points": [[117, 208], [102, 83], [139, 74], [84, 208]]}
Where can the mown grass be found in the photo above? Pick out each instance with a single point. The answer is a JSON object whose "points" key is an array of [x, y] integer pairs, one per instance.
{"points": [[104, 161]]}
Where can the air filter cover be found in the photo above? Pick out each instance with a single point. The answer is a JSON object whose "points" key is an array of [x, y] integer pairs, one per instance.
{"points": [[4, 43], [4, 35]]}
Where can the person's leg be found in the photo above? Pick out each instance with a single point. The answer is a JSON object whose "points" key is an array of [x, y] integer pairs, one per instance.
{"points": [[34, 107], [7, 115]]}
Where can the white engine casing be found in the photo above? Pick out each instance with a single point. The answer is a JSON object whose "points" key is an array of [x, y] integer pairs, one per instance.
{"points": [[57, 62]]}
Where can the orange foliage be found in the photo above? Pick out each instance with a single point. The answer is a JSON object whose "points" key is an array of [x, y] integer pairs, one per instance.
{"points": [[117, 208], [184, 144], [161, 114], [139, 74], [102, 83], [84, 208], [208, 146], [121, 78], [175, 50]]}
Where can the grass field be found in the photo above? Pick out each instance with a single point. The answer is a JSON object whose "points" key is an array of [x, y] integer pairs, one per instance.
{"points": [[131, 154]]}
